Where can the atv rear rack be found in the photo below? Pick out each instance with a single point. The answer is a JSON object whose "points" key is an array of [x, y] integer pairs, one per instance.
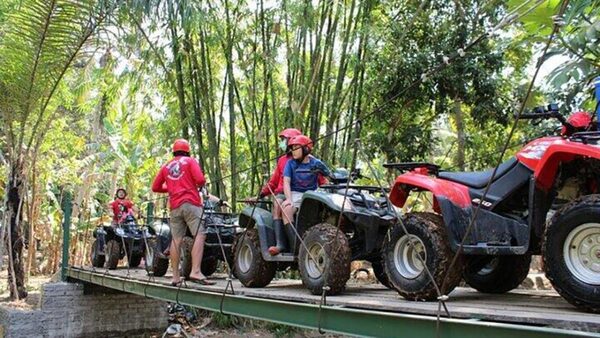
{"points": [[586, 137], [409, 166]]}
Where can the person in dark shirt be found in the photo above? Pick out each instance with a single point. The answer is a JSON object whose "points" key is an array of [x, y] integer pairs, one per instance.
{"points": [[300, 175]]}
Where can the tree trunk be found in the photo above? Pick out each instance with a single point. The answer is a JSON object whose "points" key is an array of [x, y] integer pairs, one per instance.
{"points": [[16, 274], [178, 70]]}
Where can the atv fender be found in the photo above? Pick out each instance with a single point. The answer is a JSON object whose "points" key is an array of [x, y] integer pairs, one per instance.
{"points": [[163, 234], [262, 219], [456, 193], [315, 202], [545, 172], [312, 205]]}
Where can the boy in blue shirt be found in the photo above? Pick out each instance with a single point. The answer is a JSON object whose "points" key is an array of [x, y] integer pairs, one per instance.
{"points": [[300, 175]]}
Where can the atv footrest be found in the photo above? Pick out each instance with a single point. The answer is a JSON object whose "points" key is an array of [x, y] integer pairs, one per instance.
{"points": [[409, 166], [282, 257]]}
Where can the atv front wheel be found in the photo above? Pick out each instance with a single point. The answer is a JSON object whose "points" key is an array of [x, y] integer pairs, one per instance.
{"points": [[155, 264], [97, 257], [113, 253], [571, 252], [324, 259], [404, 256], [497, 274], [248, 265]]}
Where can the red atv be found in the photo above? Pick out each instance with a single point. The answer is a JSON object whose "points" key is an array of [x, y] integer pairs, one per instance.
{"points": [[544, 200]]}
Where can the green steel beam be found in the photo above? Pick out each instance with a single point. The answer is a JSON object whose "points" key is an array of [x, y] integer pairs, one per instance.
{"points": [[358, 322], [150, 213], [67, 208]]}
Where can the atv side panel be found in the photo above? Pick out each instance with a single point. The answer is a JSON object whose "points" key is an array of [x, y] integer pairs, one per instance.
{"points": [[492, 233], [262, 220]]}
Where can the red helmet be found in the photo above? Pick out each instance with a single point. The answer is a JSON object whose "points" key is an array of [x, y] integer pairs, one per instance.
{"points": [[301, 140], [290, 132], [580, 120], [181, 145]]}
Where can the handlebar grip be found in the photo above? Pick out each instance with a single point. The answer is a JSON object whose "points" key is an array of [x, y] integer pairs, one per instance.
{"points": [[527, 116]]}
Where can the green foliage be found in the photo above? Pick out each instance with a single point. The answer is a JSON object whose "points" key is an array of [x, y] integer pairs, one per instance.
{"points": [[280, 330], [223, 321]]}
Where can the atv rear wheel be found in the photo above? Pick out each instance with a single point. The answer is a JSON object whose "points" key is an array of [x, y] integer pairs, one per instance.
{"points": [[324, 259], [248, 265], [209, 266], [403, 267], [135, 260], [571, 252], [113, 253], [155, 264], [97, 258], [185, 256], [379, 272], [497, 274]]}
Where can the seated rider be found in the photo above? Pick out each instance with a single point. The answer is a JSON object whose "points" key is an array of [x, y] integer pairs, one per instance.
{"points": [[211, 201], [300, 175], [275, 187], [121, 207]]}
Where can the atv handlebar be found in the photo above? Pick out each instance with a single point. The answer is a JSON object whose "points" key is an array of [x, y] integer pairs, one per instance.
{"points": [[548, 112]]}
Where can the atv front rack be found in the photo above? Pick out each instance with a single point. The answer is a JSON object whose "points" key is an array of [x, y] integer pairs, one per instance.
{"points": [[586, 137], [409, 166], [368, 188]]}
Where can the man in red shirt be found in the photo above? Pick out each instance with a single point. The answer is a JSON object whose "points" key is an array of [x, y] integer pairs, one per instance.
{"points": [[180, 178], [120, 207]]}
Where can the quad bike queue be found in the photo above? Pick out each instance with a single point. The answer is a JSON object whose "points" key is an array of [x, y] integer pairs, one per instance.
{"points": [[544, 201]]}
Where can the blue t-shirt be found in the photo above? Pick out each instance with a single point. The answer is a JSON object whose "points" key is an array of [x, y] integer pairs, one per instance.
{"points": [[305, 176]]}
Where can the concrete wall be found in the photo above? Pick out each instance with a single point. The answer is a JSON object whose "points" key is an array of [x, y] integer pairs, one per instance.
{"points": [[65, 310]]}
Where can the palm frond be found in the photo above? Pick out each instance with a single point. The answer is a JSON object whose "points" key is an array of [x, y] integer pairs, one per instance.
{"points": [[42, 41]]}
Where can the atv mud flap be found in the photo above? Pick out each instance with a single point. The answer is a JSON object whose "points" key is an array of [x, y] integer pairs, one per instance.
{"points": [[491, 234], [371, 225]]}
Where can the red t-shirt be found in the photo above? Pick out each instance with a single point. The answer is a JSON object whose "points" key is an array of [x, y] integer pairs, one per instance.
{"points": [[120, 208], [276, 181], [181, 177]]}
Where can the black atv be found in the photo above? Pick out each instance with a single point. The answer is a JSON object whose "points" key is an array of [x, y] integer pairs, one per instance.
{"points": [[366, 218], [113, 243], [218, 225]]}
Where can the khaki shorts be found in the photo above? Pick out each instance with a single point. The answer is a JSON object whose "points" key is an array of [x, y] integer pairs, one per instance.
{"points": [[187, 215], [297, 198]]}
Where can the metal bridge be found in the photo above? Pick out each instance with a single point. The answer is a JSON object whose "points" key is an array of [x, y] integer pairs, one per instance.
{"points": [[362, 310]]}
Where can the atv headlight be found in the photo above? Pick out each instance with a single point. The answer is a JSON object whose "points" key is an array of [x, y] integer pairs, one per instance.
{"points": [[120, 232]]}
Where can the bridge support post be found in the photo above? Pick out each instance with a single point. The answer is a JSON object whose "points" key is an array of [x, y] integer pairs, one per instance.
{"points": [[67, 209]]}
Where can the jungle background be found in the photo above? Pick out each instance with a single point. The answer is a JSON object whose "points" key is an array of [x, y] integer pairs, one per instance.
{"points": [[93, 93]]}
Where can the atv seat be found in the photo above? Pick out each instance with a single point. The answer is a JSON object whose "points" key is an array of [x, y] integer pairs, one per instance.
{"points": [[478, 179]]}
